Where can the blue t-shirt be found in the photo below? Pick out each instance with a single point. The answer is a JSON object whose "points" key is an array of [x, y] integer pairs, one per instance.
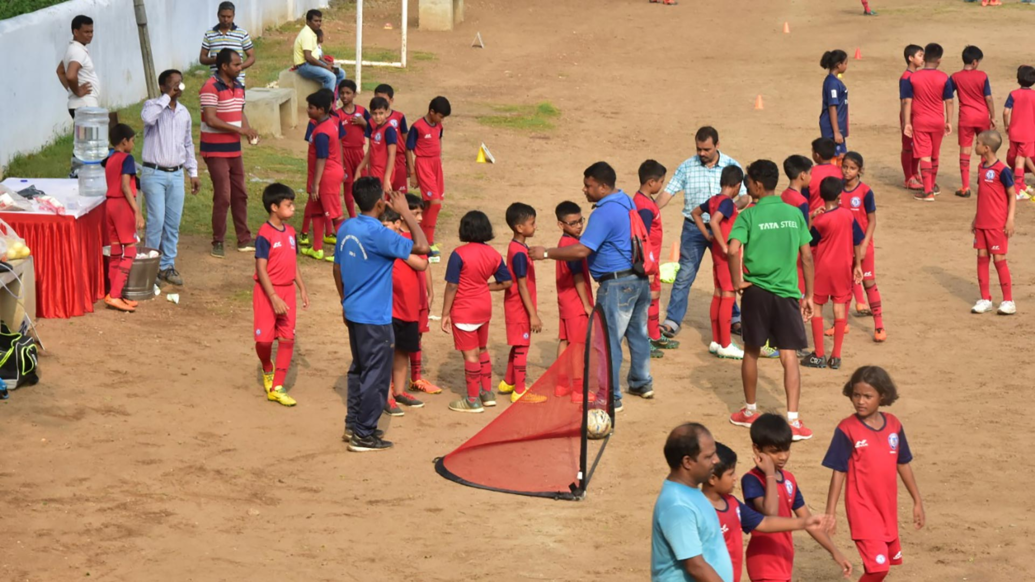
{"points": [[685, 525], [834, 94], [608, 235], [367, 251]]}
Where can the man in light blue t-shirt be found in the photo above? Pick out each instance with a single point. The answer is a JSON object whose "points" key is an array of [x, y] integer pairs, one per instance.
{"points": [[686, 539]]}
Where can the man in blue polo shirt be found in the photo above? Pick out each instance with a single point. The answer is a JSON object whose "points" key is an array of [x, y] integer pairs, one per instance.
{"points": [[623, 295], [363, 261]]}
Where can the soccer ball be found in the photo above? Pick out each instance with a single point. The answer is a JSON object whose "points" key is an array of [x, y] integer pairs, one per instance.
{"points": [[598, 424]]}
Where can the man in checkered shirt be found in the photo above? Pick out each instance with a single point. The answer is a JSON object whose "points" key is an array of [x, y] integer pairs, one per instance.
{"points": [[698, 180]]}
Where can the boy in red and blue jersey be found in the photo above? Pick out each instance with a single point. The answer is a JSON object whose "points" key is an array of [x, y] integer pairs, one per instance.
{"points": [[407, 275], [736, 518], [520, 303], [273, 297], [858, 198], [976, 109], [123, 214], [574, 302], [914, 55], [836, 239], [467, 306], [652, 180], [354, 119], [868, 450], [798, 169], [824, 151], [1019, 120], [993, 223], [770, 556], [382, 146], [397, 120], [325, 170], [928, 115], [424, 151], [418, 383]]}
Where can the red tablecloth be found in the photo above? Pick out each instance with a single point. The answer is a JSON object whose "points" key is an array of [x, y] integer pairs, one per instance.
{"points": [[69, 264]]}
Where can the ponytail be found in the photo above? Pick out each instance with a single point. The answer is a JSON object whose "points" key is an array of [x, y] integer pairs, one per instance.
{"points": [[832, 59]]}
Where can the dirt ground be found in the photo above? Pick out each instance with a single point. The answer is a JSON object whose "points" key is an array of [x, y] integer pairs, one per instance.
{"points": [[149, 453]]}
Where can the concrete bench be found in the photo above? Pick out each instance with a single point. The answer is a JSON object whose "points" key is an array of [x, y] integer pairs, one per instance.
{"points": [[271, 110], [302, 87]]}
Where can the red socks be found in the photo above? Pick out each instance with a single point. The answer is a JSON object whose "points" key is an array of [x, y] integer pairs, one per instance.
{"points": [[934, 172], [429, 220], [119, 263], [517, 364], [927, 174], [318, 226], [654, 319], [986, 294], [285, 348], [350, 203], [486, 368], [725, 319], [473, 376], [306, 219], [866, 5], [839, 336], [965, 171], [265, 352], [857, 290], [1018, 179], [714, 314], [817, 334], [873, 297], [415, 366], [1004, 278], [908, 162]]}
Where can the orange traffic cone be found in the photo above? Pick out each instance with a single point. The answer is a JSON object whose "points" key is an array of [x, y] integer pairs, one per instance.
{"points": [[858, 54], [786, 28], [673, 255], [758, 103]]}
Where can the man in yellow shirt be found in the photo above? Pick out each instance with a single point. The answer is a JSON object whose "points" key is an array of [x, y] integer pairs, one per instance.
{"points": [[307, 63]]}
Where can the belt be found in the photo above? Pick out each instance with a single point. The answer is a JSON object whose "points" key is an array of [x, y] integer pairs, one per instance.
{"points": [[162, 168], [615, 275]]}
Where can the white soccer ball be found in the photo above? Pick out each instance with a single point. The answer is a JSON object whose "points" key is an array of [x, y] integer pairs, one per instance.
{"points": [[598, 424]]}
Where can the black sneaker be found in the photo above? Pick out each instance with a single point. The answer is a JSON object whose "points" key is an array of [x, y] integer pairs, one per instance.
{"points": [[171, 276], [643, 391], [348, 434], [246, 248], [217, 251], [392, 409], [369, 444], [813, 361], [834, 363]]}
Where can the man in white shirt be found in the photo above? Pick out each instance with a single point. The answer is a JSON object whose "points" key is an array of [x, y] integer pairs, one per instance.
{"points": [[75, 71]]}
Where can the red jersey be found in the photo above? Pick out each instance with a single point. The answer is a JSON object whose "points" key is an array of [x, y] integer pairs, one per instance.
{"points": [[520, 265], [972, 86], [381, 137], [724, 204], [117, 164], [870, 457], [903, 90], [398, 121], [324, 139], [469, 268], [834, 236], [797, 200], [736, 520], [228, 101], [646, 205], [405, 289], [861, 202], [568, 302], [770, 556], [354, 134], [929, 89], [279, 249], [819, 172], [993, 199], [424, 139], [1022, 119]]}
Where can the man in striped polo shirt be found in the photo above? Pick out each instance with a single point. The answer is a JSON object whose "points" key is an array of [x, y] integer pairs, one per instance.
{"points": [[226, 34], [223, 122]]}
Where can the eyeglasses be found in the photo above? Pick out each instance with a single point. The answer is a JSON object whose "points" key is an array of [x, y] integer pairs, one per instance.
{"points": [[575, 223]]}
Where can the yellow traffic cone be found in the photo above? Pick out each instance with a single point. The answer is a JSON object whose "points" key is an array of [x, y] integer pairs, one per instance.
{"points": [[481, 156]]}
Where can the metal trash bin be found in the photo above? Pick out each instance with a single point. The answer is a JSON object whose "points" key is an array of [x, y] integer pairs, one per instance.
{"points": [[142, 276]]}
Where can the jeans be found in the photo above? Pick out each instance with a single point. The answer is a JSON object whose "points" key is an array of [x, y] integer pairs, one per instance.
{"points": [[692, 248], [625, 302], [370, 374], [322, 76], [163, 196]]}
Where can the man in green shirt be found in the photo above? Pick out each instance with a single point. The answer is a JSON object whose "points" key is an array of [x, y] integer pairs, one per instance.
{"points": [[773, 235]]}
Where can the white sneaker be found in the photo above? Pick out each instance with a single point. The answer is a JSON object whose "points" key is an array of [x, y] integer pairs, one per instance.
{"points": [[1006, 308], [713, 347], [1023, 195], [983, 306], [732, 352]]}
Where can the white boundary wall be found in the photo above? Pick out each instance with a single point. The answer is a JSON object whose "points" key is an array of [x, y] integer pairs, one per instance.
{"points": [[33, 105]]}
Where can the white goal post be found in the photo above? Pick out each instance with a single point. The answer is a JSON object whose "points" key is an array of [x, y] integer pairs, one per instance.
{"points": [[359, 62]]}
